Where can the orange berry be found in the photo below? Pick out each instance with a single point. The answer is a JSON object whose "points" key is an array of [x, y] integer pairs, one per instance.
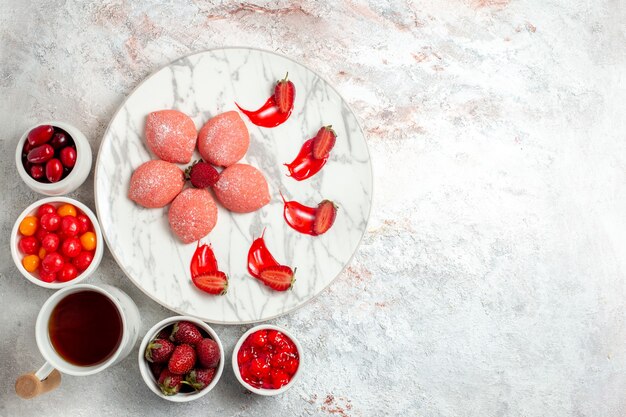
{"points": [[88, 240], [66, 210], [28, 226], [31, 263], [42, 253]]}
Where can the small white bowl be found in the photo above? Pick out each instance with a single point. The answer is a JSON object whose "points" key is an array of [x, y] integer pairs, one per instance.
{"points": [[30, 211], [75, 178], [264, 391], [151, 381]]}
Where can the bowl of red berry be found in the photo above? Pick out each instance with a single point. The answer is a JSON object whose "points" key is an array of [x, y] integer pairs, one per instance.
{"points": [[267, 360], [53, 158], [56, 242], [181, 359]]}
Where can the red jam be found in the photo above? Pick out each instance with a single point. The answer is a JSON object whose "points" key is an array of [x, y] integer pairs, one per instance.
{"points": [[268, 359], [259, 257], [299, 216], [202, 261], [305, 165], [266, 116]]}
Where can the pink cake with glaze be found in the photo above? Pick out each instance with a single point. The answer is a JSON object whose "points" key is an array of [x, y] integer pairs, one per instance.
{"points": [[155, 183], [242, 188], [193, 214], [171, 135], [224, 139]]}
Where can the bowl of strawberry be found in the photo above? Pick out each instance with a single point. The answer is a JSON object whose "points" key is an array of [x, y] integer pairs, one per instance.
{"points": [[53, 158], [267, 360], [181, 359], [56, 242]]}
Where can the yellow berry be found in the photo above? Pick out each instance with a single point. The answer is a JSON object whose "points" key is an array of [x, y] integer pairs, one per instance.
{"points": [[66, 210], [31, 263], [88, 240], [28, 226]]}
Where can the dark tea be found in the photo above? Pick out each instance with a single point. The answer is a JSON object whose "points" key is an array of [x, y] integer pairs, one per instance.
{"points": [[85, 328]]}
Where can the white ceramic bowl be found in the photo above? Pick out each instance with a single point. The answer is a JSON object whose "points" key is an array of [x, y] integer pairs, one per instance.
{"points": [[30, 211], [144, 366], [75, 178], [264, 391]]}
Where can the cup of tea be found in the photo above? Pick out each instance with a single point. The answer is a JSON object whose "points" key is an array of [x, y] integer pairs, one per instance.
{"points": [[81, 330]]}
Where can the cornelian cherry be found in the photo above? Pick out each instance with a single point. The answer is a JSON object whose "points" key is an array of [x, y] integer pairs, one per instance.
{"points": [[28, 226], [67, 273], [40, 233], [84, 223], [36, 171], [50, 242], [28, 245], [53, 262], [54, 170], [60, 140], [71, 247], [68, 156], [47, 276], [69, 226], [46, 208], [40, 154], [50, 222], [83, 260], [40, 135]]}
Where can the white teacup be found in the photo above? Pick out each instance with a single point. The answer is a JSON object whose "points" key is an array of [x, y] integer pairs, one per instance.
{"points": [[48, 377]]}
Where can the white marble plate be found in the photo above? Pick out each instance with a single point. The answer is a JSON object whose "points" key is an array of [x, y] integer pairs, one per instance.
{"points": [[203, 85]]}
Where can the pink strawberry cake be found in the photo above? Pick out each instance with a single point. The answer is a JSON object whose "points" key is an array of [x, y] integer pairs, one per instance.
{"points": [[242, 188], [156, 183], [224, 139], [193, 214], [171, 135]]}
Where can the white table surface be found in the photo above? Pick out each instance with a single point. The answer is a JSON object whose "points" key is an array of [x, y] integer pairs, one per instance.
{"points": [[491, 281]]}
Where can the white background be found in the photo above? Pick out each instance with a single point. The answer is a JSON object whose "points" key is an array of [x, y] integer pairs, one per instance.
{"points": [[492, 277]]}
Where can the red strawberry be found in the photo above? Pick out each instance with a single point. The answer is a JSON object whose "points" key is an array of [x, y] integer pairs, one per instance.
{"points": [[284, 95], [169, 382], [324, 142], [157, 368], [324, 217], [208, 353], [182, 360], [215, 282], [279, 278], [185, 332], [200, 378], [159, 350], [165, 333], [202, 174]]}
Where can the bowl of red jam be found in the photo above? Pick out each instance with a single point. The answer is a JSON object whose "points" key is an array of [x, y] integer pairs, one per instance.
{"points": [[267, 360]]}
